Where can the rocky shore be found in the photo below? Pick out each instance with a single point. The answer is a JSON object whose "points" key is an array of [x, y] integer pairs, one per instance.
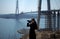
{"points": [[44, 35]]}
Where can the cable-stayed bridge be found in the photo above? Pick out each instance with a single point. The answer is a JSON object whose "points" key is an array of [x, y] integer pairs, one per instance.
{"points": [[49, 15]]}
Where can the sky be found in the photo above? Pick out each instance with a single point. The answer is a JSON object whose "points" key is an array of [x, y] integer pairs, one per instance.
{"points": [[9, 6]]}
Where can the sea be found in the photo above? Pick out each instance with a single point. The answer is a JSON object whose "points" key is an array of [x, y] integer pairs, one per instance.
{"points": [[9, 27]]}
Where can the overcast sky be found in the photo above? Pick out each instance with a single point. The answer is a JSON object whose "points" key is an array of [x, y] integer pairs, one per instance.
{"points": [[9, 6]]}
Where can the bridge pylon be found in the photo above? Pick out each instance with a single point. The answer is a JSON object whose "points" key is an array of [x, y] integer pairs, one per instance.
{"points": [[17, 8]]}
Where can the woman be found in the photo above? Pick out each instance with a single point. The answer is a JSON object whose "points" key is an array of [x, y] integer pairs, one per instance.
{"points": [[33, 27]]}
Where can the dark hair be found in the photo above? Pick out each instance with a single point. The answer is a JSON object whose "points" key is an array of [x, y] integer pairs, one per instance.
{"points": [[33, 19]]}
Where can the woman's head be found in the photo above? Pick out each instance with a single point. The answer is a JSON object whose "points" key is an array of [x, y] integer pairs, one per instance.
{"points": [[33, 19]]}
